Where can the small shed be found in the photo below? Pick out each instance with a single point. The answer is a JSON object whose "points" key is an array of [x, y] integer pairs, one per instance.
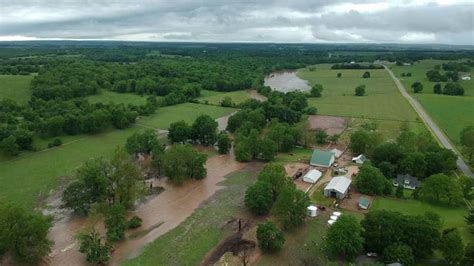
{"points": [[363, 203], [337, 187], [337, 153], [322, 158], [312, 176], [407, 181], [359, 159], [312, 211]]}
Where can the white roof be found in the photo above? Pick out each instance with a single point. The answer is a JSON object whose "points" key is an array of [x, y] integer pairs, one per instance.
{"points": [[360, 157], [336, 213], [336, 152], [334, 217], [312, 208], [339, 183], [331, 222], [312, 176]]}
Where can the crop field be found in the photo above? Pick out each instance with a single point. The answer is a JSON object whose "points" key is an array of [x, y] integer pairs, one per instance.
{"points": [[33, 175], [382, 100], [114, 97], [15, 87], [215, 98], [451, 113]]}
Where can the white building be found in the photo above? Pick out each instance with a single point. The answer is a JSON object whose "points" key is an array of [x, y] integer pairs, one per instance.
{"points": [[359, 159], [337, 187], [312, 176]]}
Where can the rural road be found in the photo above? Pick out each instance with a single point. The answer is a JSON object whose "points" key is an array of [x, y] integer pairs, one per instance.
{"points": [[428, 121]]}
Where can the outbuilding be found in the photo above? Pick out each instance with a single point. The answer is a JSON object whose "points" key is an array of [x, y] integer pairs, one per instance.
{"points": [[322, 158], [312, 176], [359, 159], [363, 203], [337, 153], [337, 187], [312, 211]]}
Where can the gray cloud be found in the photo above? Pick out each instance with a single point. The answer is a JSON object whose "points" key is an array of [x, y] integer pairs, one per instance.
{"points": [[416, 21]]}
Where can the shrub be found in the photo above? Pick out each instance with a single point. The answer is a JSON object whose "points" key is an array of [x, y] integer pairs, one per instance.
{"points": [[270, 239], [116, 222], [135, 222], [360, 90]]}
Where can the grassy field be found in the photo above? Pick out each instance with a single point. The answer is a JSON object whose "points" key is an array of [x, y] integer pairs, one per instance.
{"points": [[188, 243], [382, 101], [33, 175], [15, 87], [213, 97], [113, 97], [451, 113], [452, 217]]}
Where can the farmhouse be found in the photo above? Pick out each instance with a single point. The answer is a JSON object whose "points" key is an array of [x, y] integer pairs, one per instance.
{"points": [[359, 159], [337, 187], [322, 158], [407, 181], [312, 176]]}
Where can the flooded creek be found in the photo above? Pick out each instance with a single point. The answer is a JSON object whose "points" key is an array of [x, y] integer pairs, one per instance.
{"points": [[286, 81]]}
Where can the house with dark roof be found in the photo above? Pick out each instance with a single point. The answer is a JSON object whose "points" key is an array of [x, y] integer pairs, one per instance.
{"points": [[407, 181]]}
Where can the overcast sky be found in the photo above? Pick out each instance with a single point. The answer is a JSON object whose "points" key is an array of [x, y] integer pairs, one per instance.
{"points": [[309, 21]]}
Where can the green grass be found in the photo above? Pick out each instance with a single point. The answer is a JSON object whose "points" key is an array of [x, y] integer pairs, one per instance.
{"points": [[15, 87], [186, 111], [296, 155], [188, 243], [452, 217], [117, 98], [382, 101], [451, 113], [33, 175], [216, 98]]}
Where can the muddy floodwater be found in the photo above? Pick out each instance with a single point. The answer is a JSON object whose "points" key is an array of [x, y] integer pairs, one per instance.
{"points": [[286, 81], [167, 210]]}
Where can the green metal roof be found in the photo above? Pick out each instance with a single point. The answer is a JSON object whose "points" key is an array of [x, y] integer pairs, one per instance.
{"points": [[364, 202], [320, 157]]}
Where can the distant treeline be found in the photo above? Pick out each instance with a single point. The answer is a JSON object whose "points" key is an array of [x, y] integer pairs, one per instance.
{"points": [[355, 66]]}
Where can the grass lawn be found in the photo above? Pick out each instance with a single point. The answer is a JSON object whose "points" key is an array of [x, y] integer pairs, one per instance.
{"points": [[114, 97], [452, 217], [216, 97], [451, 113], [15, 87], [187, 111], [296, 155], [382, 101], [188, 243]]}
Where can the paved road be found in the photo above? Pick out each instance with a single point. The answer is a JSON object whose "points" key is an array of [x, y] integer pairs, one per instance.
{"points": [[428, 121]]}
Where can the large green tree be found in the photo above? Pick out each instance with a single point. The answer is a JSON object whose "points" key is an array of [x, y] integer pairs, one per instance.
{"points": [[179, 132], [371, 181], [142, 142], [204, 130], [452, 247], [181, 162], [442, 189], [344, 237], [290, 207], [400, 253], [270, 238]]}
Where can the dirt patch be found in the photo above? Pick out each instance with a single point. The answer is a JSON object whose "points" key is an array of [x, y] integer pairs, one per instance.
{"points": [[257, 96], [351, 202], [293, 168], [331, 124]]}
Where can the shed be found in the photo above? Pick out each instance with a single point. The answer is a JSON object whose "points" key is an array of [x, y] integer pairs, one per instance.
{"points": [[312, 176], [322, 158], [359, 159], [337, 153], [337, 187], [363, 203], [407, 181]]}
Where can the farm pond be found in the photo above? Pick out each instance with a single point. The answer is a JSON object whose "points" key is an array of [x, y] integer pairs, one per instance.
{"points": [[286, 81]]}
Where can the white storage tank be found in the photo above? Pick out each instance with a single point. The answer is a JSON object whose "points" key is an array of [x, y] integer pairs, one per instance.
{"points": [[312, 211]]}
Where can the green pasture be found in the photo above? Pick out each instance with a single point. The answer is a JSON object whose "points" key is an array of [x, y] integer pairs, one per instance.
{"points": [[15, 87], [382, 100], [217, 97], [105, 97]]}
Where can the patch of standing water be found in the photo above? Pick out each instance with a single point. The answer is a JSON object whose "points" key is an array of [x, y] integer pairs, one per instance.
{"points": [[286, 81]]}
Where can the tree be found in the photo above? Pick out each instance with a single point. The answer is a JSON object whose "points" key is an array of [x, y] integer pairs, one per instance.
{"points": [[275, 176], [417, 87], [24, 139], [321, 136], [400, 253], [270, 239], [442, 189], [290, 207], [94, 246], [437, 88], [339, 75], [452, 247], [360, 90], [204, 130], [142, 142], [470, 220], [227, 102], [9, 147], [467, 140], [259, 198], [316, 90], [344, 237], [371, 181], [414, 164], [179, 132], [399, 192], [363, 142], [366, 75], [223, 143], [116, 222], [283, 135], [181, 162], [469, 254]]}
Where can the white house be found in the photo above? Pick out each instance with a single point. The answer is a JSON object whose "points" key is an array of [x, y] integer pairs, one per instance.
{"points": [[312, 176], [337, 187], [359, 159]]}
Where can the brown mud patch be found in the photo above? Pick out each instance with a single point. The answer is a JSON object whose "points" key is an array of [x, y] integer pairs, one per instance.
{"points": [[331, 124], [222, 121]]}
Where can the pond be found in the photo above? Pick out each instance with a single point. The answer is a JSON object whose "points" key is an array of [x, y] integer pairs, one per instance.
{"points": [[286, 81]]}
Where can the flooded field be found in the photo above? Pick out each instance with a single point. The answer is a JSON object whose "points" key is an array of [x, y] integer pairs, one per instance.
{"points": [[286, 81]]}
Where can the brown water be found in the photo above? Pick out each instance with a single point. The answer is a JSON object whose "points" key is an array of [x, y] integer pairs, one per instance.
{"points": [[169, 208], [286, 81], [223, 121]]}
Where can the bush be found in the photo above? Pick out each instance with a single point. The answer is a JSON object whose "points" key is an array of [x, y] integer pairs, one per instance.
{"points": [[417, 87], [366, 75], [316, 90], [223, 143], [311, 110], [135, 222], [270, 239], [227, 102], [116, 222], [94, 246], [360, 90]]}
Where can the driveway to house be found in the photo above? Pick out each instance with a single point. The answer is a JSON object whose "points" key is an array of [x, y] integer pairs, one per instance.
{"points": [[428, 121]]}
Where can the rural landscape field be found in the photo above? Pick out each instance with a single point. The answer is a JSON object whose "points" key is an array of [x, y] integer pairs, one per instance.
{"points": [[236, 133]]}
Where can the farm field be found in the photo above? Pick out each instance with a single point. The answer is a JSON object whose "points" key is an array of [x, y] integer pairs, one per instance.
{"points": [[382, 100], [117, 98], [451, 113], [15, 87], [451, 217], [33, 175], [215, 98]]}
